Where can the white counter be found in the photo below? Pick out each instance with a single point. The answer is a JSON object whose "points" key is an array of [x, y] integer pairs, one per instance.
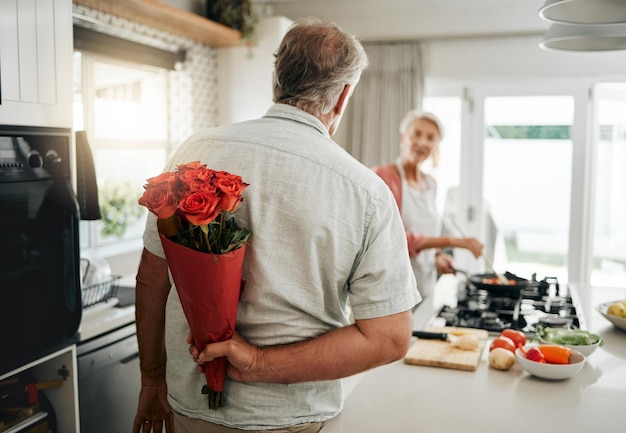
{"points": [[402, 398]]}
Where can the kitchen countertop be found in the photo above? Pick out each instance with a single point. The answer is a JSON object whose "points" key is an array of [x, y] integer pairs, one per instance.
{"points": [[402, 398]]}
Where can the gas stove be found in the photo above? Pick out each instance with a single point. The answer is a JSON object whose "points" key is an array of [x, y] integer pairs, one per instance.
{"points": [[542, 302]]}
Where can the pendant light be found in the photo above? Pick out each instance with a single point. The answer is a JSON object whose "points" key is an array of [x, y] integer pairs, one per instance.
{"points": [[584, 11], [584, 25], [564, 37]]}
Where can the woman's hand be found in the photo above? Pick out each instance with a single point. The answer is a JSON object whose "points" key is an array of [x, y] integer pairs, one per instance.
{"points": [[242, 356], [473, 245], [445, 263], [415, 243], [153, 411]]}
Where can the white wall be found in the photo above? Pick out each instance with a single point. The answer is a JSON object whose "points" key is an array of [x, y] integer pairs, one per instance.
{"points": [[478, 59], [245, 73], [451, 63]]}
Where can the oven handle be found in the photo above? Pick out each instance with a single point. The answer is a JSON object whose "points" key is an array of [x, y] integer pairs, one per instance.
{"points": [[130, 358]]}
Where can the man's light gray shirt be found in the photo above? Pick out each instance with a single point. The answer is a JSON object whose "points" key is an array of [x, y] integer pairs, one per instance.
{"points": [[327, 243]]}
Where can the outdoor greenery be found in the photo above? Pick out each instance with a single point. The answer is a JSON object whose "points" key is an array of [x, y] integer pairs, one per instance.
{"points": [[119, 208], [530, 132]]}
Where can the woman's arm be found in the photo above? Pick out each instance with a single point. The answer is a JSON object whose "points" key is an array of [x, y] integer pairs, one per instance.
{"points": [[472, 244]]}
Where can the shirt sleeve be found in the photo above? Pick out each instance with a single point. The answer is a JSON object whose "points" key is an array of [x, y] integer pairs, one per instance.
{"points": [[383, 282], [151, 240]]}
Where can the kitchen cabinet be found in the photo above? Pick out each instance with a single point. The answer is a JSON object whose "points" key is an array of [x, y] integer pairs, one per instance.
{"points": [[36, 63], [64, 398]]}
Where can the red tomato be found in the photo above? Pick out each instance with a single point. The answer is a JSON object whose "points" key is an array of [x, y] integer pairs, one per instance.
{"points": [[535, 354], [518, 337], [504, 342]]}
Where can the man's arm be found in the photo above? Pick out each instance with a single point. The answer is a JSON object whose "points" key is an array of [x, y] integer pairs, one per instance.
{"points": [[151, 293], [152, 289], [336, 354]]}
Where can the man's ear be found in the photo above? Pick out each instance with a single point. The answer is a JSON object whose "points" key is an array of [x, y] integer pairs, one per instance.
{"points": [[343, 99]]}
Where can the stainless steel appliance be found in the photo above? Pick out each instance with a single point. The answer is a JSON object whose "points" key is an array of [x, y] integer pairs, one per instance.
{"points": [[109, 378], [109, 381], [543, 302], [40, 302]]}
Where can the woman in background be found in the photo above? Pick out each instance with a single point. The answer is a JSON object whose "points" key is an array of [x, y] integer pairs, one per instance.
{"points": [[415, 193]]}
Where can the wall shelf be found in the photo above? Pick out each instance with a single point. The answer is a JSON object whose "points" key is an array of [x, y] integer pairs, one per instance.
{"points": [[169, 18]]}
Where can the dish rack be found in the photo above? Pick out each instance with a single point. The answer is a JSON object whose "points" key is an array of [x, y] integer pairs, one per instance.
{"points": [[100, 292]]}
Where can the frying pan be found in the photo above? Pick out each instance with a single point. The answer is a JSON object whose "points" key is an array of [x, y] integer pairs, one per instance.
{"points": [[520, 283]]}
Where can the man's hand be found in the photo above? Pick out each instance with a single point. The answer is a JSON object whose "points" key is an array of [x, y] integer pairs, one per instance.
{"points": [[153, 412], [242, 356], [339, 353]]}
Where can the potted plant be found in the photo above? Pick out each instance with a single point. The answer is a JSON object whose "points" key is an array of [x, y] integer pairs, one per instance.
{"points": [[237, 14]]}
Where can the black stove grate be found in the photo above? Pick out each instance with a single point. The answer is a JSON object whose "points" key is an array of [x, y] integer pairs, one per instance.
{"points": [[541, 302]]}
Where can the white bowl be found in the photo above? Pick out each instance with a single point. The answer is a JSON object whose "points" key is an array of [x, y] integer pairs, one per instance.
{"points": [[585, 349], [551, 371], [618, 322]]}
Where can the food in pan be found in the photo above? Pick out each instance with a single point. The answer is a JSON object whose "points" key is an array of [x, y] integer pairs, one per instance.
{"points": [[496, 281]]}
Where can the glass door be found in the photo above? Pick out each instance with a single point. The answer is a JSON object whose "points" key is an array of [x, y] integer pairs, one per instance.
{"points": [[520, 145], [527, 174], [609, 225]]}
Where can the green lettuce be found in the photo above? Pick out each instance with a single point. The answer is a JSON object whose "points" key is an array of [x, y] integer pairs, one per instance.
{"points": [[572, 337]]}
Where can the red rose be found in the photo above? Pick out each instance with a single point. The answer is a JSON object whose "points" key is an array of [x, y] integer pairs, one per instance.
{"points": [[232, 187], [201, 185], [200, 207], [167, 177], [182, 168], [160, 200]]}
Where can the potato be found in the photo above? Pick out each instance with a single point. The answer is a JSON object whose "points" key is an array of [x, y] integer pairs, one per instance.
{"points": [[501, 359], [466, 342]]}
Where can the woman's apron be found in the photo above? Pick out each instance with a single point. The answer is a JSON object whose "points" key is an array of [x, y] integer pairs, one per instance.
{"points": [[420, 216]]}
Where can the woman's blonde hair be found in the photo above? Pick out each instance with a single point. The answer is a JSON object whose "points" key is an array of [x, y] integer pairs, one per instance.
{"points": [[414, 115]]}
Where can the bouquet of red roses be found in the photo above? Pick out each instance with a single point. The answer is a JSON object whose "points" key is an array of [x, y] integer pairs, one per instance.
{"points": [[204, 248]]}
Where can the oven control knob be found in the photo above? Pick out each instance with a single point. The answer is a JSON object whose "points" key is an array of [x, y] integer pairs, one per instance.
{"points": [[53, 161], [35, 160]]}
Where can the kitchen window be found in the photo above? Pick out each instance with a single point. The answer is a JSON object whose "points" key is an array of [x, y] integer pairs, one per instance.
{"points": [[123, 108]]}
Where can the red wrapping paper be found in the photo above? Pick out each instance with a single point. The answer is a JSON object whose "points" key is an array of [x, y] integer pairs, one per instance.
{"points": [[209, 287]]}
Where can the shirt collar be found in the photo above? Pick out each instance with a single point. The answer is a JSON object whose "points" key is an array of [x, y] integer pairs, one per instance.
{"points": [[292, 113]]}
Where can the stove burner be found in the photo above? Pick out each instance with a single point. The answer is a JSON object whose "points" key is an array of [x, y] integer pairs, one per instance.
{"points": [[539, 303]]}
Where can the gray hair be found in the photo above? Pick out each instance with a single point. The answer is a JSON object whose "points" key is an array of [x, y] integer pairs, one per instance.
{"points": [[313, 64], [414, 115]]}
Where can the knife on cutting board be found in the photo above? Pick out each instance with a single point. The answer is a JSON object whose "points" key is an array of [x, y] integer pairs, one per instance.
{"points": [[431, 335], [443, 336], [436, 347]]}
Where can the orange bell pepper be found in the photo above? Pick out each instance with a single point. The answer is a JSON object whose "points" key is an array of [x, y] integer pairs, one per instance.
{"points": [[554, 354]]}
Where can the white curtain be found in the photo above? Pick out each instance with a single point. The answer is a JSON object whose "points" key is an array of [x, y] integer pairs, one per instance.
{"points": [[392, 84]]}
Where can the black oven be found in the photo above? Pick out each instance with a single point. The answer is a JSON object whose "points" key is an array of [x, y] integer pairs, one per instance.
{"points": [[40, 302]]}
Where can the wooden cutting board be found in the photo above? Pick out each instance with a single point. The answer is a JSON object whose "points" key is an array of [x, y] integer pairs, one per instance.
{"points": [[438, 353]]}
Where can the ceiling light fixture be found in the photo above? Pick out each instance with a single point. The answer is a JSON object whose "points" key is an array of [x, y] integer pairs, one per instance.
{"points": [[584, 11], [563, 37]]}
